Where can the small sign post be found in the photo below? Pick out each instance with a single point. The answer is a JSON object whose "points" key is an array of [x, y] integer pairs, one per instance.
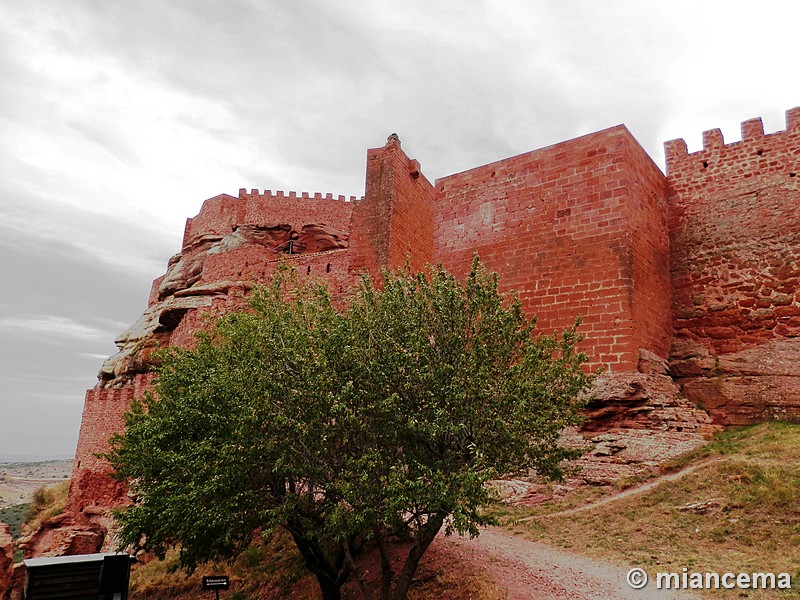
{"points": [[216, 583]]}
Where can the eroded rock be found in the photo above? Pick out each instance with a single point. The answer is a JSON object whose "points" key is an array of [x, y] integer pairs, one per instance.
{"points": [[137, 343], [184, 270], [626, 453], [6, 558], [321, 238], [739, 388], [651, 363], [68, 536], [642, 401]]}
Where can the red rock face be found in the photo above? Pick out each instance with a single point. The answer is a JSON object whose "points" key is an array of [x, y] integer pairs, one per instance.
{"points": [[704, 261], [6, 559], [739, 388]]}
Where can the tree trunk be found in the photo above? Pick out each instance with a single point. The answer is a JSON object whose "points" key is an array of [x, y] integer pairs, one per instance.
{"points": [[387, 574], [329, 578], [422, 540], [359, 577], [329, 592]]}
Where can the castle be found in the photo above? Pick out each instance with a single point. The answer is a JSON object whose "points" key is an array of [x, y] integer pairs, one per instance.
{"points": [[687, 282]]}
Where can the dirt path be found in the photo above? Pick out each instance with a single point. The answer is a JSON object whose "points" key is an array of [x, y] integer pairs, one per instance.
{"points": [[629, 492], [526, 570]]}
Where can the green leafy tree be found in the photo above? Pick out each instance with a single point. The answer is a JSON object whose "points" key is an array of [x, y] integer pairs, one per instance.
{"points": [[381, 421]]}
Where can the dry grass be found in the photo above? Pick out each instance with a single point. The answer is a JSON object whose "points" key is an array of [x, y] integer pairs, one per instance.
{"points": [[275, 570], [47, 501], [271, 570], [752, 521], [453, 584]]}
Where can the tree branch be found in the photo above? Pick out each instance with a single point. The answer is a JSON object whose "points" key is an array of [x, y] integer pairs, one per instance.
{"points": [[362, 584]]}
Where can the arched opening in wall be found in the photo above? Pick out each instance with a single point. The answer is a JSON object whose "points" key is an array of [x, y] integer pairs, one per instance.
{"points": [[328, 268], [705, 164], [308, 270]]}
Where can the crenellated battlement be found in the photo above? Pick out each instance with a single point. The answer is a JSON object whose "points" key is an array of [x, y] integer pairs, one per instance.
{"points": [[714, 146], [280, 194], [220, 214]]}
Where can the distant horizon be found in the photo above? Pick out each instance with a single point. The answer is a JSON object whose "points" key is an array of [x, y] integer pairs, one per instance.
{"points": [[29, 458], [36, 447]]}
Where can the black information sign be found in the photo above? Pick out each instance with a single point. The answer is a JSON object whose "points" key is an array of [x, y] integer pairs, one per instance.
{"points": [[215, 582]]}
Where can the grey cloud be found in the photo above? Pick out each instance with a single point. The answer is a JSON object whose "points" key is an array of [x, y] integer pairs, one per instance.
{"points": [[41, 376], [50, 325], [35, 446], [61, 310], [56, 280], [106, 140], [38, 222], [94, 357]]}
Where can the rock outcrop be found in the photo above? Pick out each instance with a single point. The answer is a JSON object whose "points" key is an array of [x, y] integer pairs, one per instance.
{"points": [[67, 534], [637, 421], [738, 388], [6, 559]]}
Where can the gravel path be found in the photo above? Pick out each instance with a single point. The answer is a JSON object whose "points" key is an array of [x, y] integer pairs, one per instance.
{"points": [[527, 570], [629, 492]]}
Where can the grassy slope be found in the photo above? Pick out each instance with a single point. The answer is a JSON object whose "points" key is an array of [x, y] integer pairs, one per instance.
{"points": [[275, 570], [752, 485], [15, 516], [47, 501]]}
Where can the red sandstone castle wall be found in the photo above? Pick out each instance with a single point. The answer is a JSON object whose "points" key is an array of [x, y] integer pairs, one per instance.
{"points": [[216, 217], [251, 264], [650, 250], [560, 226], [394, 222], [735, 213], [735, 227], [219, 214], [578, 228], [103, 409]]}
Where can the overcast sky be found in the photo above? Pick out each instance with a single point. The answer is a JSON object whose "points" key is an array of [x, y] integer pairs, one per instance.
{"points": [[117, 119]]}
